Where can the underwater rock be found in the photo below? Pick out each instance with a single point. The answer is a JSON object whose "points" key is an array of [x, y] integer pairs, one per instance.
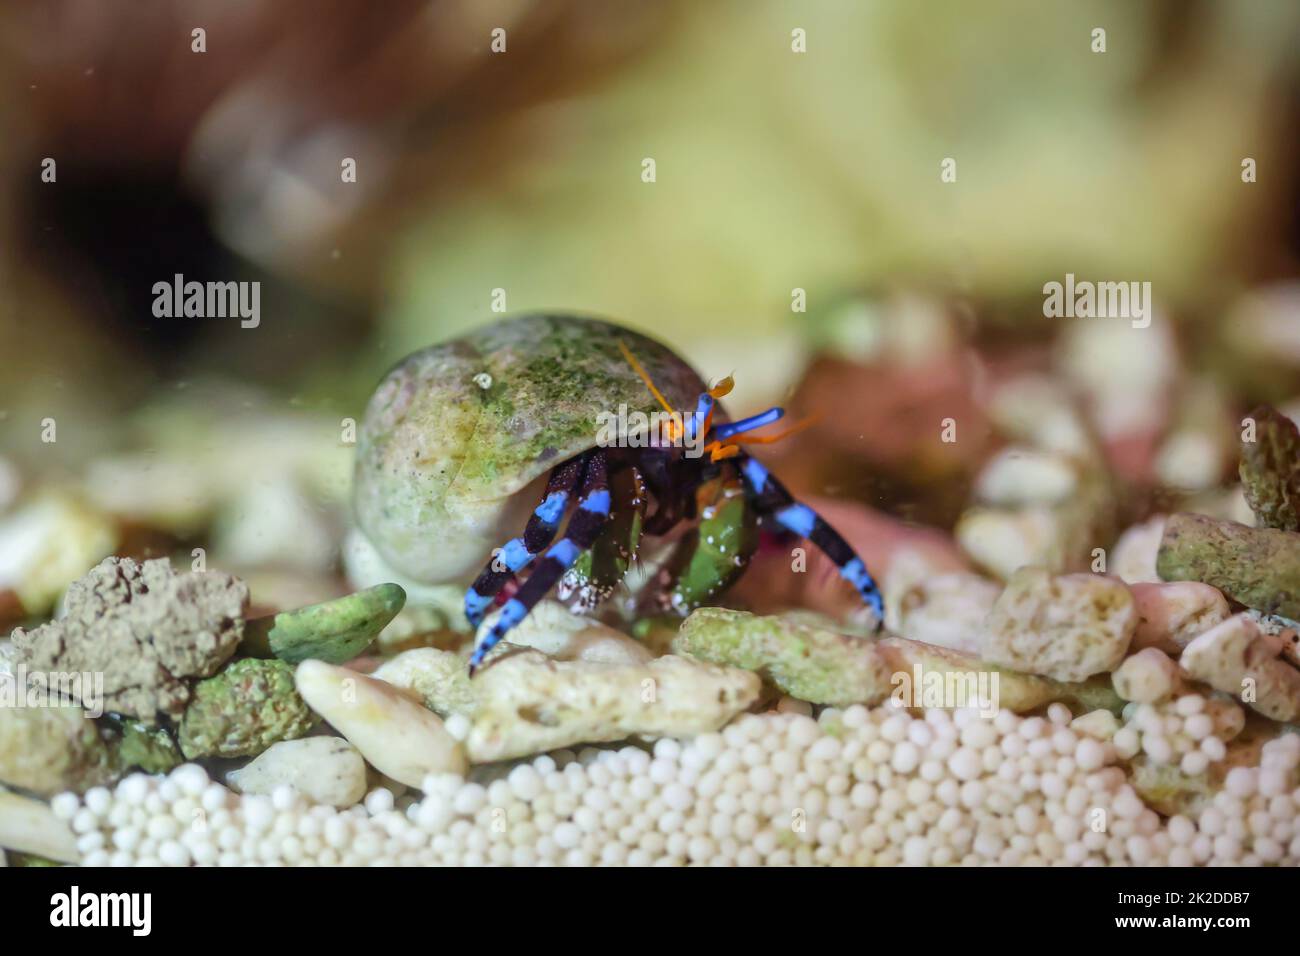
{"points": [[1133, 559], [326, 770], [559, 633], [1239, 658], [1147, 677], [1270, 470], [809, 663], [30, 826], [440, 678], [147, 629], [48, 543], [243, 710], [529, 703], [396, 735], [1257, 567], [333, 631], [1171, 615], [1067, 627], [49, 749], [946, 609], [151, 749]]}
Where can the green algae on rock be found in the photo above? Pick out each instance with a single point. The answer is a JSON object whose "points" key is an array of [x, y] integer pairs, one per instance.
{"points": [[146, 628], [333, 631], [1257, 567], [1270, 470], [50, 749], [809, 663], [455, 431], [243, 710]]}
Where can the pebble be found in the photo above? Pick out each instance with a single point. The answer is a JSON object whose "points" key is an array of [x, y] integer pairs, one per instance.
{"points": [[326, 770], [1067, 627], [395, 735]]}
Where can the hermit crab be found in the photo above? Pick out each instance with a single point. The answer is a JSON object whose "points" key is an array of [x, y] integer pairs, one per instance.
{"points": [[556, 414]]}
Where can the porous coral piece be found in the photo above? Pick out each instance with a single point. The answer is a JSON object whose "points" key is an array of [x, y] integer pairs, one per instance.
{"points": [[243, 710], [810, 663], [147, 629], [529, 703], [1258, 567], [1067, 627]]}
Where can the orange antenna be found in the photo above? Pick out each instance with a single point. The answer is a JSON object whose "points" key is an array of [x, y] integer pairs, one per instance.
{"points": [[645, 377]]}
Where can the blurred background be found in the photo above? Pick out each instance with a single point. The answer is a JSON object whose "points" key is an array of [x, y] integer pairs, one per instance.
{"points": [[797, 233]]}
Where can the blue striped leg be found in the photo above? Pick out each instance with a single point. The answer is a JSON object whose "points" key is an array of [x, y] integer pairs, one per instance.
{"points": [[584, 527], [772, 498], [518, 553], [732, 429]]}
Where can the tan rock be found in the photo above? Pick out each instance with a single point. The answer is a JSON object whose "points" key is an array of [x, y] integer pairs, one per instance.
{"points": [[1239, 658], [943, 609], [1171, 615], [326, 770], [30, 826], [396, 735], [1148, 677], [1133, 559], [529, 703], [1067, 627]]}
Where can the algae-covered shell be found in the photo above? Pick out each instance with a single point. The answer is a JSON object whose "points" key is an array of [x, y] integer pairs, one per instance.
{"points": [[455, 432]]}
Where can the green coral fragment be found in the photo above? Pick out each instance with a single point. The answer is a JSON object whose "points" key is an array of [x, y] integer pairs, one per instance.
{"points": [[1270, 470], [333, 631], [1257, 567], [809, 663], [49, 749], [243, 710]]}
